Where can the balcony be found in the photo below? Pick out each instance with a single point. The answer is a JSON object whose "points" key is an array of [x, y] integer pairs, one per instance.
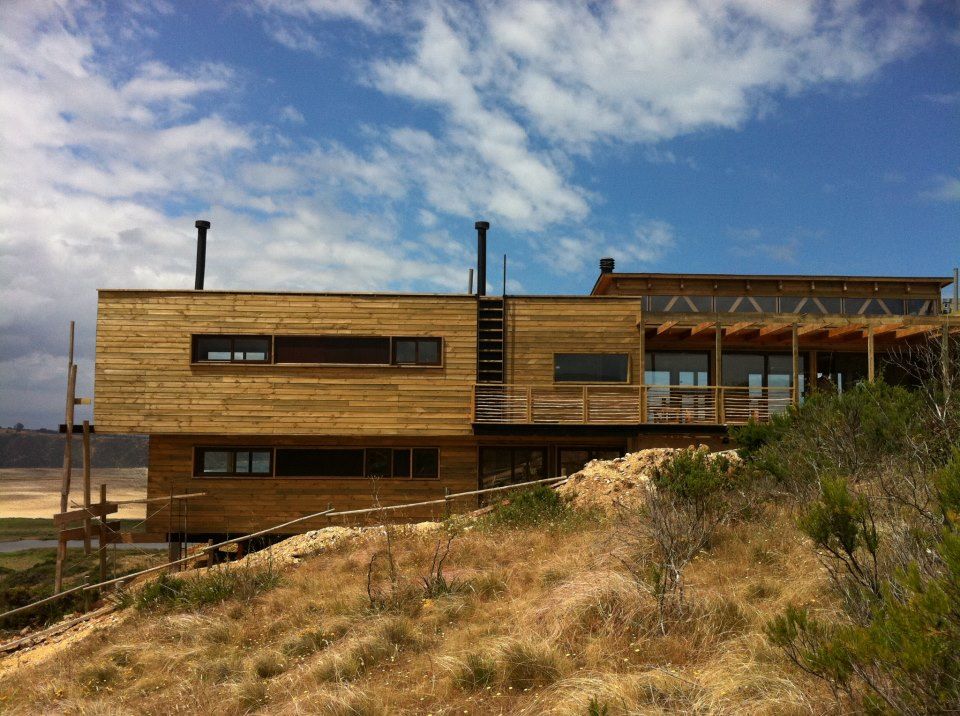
{"points": [[626, 405]]}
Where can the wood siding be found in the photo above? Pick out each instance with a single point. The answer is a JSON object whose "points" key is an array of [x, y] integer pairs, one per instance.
{"points": [[248, 504], [537, 328], [145, 382]]}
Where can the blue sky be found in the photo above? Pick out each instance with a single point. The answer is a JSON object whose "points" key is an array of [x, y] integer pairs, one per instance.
{"points": [[344, 144]]}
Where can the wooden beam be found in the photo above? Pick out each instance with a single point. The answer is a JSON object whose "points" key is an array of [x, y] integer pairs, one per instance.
{"points": [[871, 363], [834, 333], [97, 510], [739, 328], [945, 356], [718, 370], [86, 485], [772, 330], [913, 331], [67, 458], [803, 330], [666, 326], [701, 328], [880, 330]]}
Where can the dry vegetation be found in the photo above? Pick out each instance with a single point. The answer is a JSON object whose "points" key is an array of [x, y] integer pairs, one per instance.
{"points": [[540, 619]]}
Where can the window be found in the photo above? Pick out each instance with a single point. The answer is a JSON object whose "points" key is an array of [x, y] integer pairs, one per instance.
{"points": [[416, 351], [591, 367], [746, 304], [357, 350], [761, 370], [233, 462], [680, 304], [676, 368], [231, 349], [505, 466], [873, 306], [377, 462], [920, 306]]}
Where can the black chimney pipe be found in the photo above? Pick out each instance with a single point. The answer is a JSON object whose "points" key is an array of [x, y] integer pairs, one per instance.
{"points": [[481, 227], [202, 227], [607, 264]]}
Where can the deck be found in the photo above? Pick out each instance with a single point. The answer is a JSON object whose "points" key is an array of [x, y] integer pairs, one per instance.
{"points": [[626, 404]]}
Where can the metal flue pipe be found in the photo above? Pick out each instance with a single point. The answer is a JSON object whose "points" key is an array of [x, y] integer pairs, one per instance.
{"points": [[481, 227], [202, 227]]}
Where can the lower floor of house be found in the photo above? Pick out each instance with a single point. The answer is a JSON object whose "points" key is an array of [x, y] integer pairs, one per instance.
{"points": [[250, 483]]}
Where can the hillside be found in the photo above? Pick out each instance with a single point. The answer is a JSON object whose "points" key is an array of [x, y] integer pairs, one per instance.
{"points": [[533, 611], [34, 448]]}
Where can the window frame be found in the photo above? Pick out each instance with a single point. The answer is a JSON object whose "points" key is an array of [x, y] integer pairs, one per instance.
{"points": [[628, 381], [438, 340], [199, 450], [364, 448], [232, 337]]}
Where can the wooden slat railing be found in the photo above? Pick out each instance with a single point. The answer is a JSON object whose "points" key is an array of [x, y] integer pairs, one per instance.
{"points": [[626, 404]]}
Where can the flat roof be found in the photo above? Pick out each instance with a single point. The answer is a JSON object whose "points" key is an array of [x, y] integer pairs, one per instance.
{"points": [[606, 277]]}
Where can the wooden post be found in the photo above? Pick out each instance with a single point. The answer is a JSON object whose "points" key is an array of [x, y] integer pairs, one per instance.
{"points": [[173, 549], [813, 370], [103, 533], [586, 406], [67, 459], [871, 373], [795, 375], [446, 502], [529, 404], [718, 372], [87, 524], [945, 354], [642, 377]]}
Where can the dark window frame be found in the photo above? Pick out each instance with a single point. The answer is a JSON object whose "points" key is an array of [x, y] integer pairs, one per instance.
{"points": [[626, 354], [232, 337], [199, 451], [437, 340], [544, 450], [365, 471]]}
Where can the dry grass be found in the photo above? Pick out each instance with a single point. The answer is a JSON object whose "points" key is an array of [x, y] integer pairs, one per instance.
{"points": [[545, 622]]}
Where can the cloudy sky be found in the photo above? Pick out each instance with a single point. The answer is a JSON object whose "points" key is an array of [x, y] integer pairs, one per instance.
{"points": [[346, 144]]}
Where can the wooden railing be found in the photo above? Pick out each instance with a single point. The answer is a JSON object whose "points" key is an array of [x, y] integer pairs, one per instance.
{"points": [[626, 404]]}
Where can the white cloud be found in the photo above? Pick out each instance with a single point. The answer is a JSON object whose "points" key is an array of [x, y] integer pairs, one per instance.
{"points": [[946, 188], [292, 115]]}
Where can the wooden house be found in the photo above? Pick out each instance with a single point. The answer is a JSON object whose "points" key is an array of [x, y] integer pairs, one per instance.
{"points": [[278, 404]]}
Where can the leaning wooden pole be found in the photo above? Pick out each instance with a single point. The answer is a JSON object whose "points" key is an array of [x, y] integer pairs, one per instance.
{"points": [[67, 458], [87, 525]]}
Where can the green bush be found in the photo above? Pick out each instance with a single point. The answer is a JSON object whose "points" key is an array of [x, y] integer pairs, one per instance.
{"points": [[696, 479], [906, 660], [217, 585], [538, 506]]}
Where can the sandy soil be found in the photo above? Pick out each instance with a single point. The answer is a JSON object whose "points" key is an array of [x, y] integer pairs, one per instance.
{"points": [[35, 492]]}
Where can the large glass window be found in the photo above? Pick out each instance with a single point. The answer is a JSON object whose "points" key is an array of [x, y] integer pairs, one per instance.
{"points": [[358, 462], [509, 465], [680, 304], [839, 370], [746, 304], [591, 367], [873, 306], [233, 462], [676, 368], [231, 349], [920, 306], [761, 370], [571, 460]]}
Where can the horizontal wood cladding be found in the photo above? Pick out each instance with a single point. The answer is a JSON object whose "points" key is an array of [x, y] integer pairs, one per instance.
{"points": [[145, 382], [248, 504], [538, 328]]}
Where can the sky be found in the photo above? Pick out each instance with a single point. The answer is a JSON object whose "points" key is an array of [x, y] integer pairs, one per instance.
{"points": [[350, 145]]}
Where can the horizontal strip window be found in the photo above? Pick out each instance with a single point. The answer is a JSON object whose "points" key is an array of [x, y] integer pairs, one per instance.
{"points": [[591, 367], [800, 305], [231, 349], [233, 462], [359, 350], [419, 463]]}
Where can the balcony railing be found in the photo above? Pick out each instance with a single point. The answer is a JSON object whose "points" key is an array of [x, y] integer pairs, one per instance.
{"points": [[625, 405]]}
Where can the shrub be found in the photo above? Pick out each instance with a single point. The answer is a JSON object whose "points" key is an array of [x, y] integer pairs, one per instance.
{"points": [[538, 506], [217, 585], [906, 660], [475, 672]]}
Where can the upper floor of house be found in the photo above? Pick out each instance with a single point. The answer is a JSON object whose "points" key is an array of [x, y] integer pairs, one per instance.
{"points": [[641, 348]]}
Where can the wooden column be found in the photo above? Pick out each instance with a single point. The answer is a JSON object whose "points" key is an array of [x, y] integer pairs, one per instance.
{"points": [[103, 532], [86, 486], [641, 378], [67, 459], [945, 354], [871, 372], [718, 371], [812, 370], [795, 354]]}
